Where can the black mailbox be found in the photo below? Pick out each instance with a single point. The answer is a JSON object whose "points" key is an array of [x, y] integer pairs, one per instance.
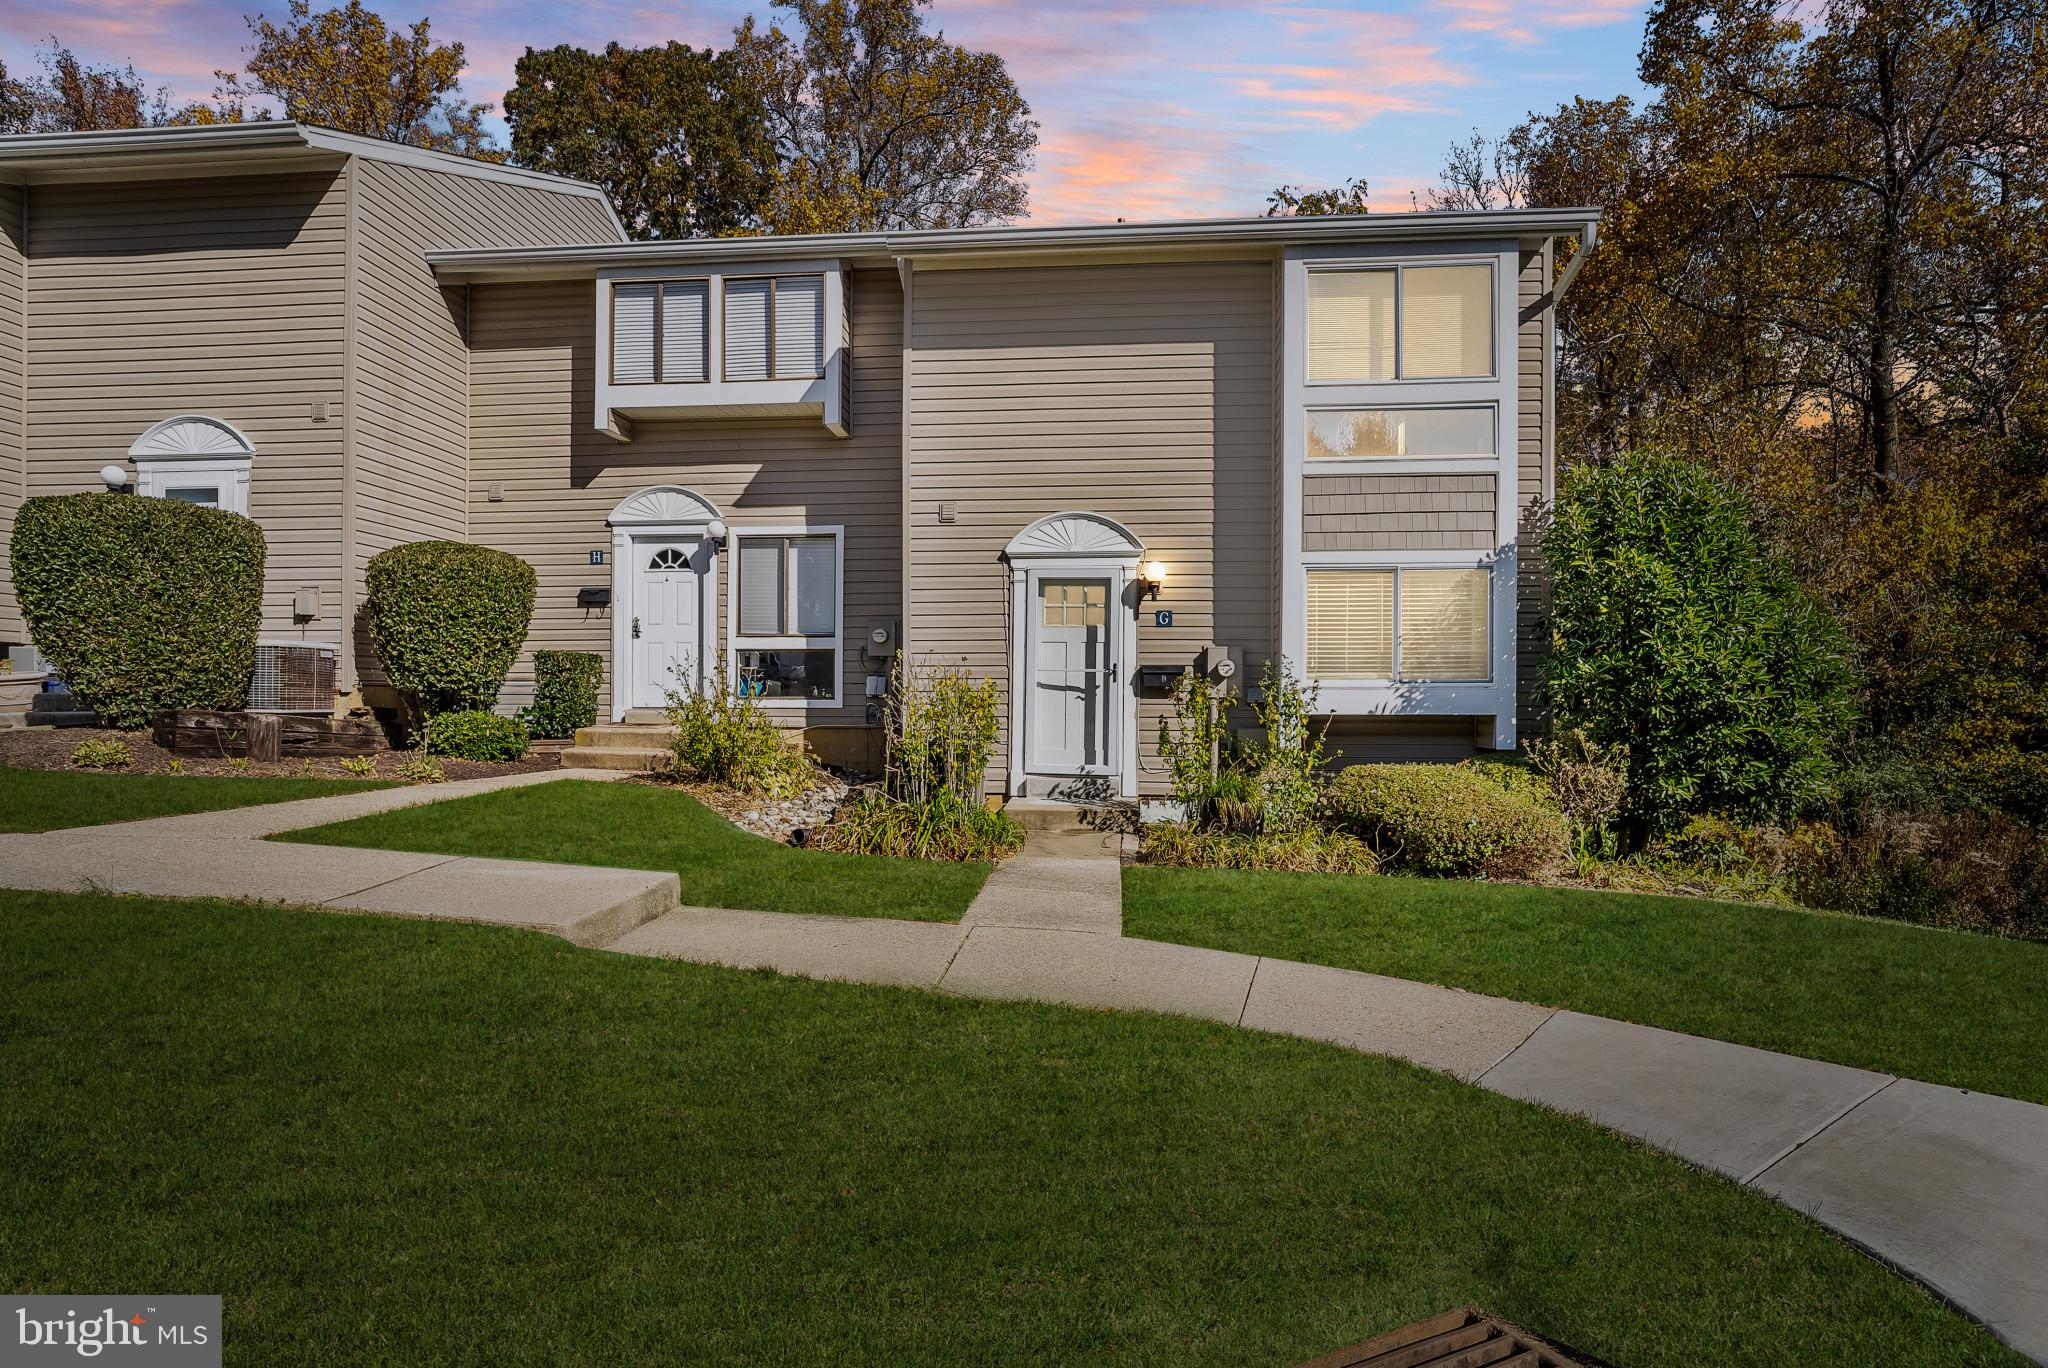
{"points": [[593, 598], [1159, 676]]}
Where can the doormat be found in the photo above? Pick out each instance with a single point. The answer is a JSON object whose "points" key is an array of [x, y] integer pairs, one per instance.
{"points": [[1463, 1338]]}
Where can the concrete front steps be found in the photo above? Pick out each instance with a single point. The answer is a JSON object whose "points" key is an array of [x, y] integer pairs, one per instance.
{"points": [[627, 746]]}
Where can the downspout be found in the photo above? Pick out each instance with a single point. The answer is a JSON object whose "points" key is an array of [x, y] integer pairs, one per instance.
{"points": [[352, 233], [1589, 237], [906, 275]]}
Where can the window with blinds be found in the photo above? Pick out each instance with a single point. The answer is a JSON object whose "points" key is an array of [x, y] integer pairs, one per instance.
{"points": [[661, 332], [1442, 317], [775, 327], [1422, 625], [788, 586]]}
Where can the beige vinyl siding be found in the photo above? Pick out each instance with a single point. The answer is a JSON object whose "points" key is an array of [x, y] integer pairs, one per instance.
{"points": [[1533, 465], [1398, 513], [411, 412], [532, 382], [1141, 392], [13, 395], [215, 296]]}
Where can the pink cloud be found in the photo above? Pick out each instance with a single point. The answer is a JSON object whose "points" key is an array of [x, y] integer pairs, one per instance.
{"points": [[1138, 166], [1527, 23]]}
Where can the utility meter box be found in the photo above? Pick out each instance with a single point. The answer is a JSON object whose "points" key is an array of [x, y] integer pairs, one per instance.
{"points": [[1217, 662], [880, 643]]}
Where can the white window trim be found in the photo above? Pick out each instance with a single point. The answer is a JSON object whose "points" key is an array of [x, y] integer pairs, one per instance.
{"points": [[1400, 266], [1495, 699], [735, 642], [155, 478]]}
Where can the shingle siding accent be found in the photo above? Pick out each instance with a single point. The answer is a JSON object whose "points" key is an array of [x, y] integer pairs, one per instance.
{"points": [[1398, 513], [532, 383], [1142, 392], [217, 296]]}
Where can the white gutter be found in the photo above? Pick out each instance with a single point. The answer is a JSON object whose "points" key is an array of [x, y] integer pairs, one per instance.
{"points": [[1589, 236]]}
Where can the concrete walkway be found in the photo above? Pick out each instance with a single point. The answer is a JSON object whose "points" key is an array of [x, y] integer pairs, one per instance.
{"points": [[1950, 1186]]}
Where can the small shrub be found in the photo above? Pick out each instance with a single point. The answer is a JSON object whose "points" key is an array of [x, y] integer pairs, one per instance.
{"points": [[1180, 845], [307, 770], [142, 605], [1448, 819], [174, 766], [1970, 871], [447, 619], [1272, 784], [420, 768], [723, 737], [943, 827], [940, 733], [477, 735], [239, 764], [102, 753], [565, 685], [1589, 782], [359, 767], [1682, 633]]}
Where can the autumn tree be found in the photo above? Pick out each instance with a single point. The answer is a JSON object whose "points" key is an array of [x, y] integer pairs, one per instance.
{"points": [[74, 96], [1287, 200], [680, 146], [880, 123], [343, 69]]}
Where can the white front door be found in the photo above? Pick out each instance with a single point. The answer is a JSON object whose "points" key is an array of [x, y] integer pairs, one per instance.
{"points": [[667, 628], [1073, 668]]}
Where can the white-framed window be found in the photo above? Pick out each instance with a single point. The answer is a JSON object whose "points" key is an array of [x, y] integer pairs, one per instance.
{"points": [[661, 332], [1413, 624], [1400, 322], [1389, 432], [214, 482], [785, 608], [774, 327]]}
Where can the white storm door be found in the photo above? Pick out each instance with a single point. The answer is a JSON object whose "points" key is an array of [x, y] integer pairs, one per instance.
{"points": [[667, 627], [1073, 666]]}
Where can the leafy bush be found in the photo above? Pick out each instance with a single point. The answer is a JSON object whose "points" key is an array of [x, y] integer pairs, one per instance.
{"points": [[1310, 851], [1971, 871], [477, 735], [941, 731], [142, 605], [565, 685], [419, 768], [723, 737], [447, 620], [943, 827], [1682, 634], [1448, 819], [1589, 783], [102, 753], [1272, 784]]}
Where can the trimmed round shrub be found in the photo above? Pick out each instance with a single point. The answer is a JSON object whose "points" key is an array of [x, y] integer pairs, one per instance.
{"points": [[1461, 820], [447, 619], [477, 735], [142, 605], [565, 685], [1683, 635]]}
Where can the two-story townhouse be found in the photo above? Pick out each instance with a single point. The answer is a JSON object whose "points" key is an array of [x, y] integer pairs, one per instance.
{"points": [[1064, 457]]}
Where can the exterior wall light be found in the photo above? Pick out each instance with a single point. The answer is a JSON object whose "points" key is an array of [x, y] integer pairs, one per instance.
{"points": [[1155, 578], [114, 477]]}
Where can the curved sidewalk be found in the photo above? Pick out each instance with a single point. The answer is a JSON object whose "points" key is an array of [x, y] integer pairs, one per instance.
{"points": [[1950, 1186]]}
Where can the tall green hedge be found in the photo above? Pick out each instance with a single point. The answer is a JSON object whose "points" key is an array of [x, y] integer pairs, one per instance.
{"points": [[565, 685], [143, 605], [447, 619], [1682, 634]]}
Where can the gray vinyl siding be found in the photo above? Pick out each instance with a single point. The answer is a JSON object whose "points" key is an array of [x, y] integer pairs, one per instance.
{"points": [[13, 396], [1398, 513], [411, 393], [1142, 392], [532, 383], [215, 296], [1534, 468]]}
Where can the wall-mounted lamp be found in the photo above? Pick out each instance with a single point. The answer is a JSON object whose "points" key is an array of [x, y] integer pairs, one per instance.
{"points": [[114, 477], [1154, 578], [714, 531]]}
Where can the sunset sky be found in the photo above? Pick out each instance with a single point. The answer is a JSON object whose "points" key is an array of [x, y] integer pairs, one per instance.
{"points": [[1159, 109]]}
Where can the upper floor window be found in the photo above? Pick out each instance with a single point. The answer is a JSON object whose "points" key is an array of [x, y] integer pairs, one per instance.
{"points": [[1363, 434], [661, 332], [774, 327], [1400, 323]]}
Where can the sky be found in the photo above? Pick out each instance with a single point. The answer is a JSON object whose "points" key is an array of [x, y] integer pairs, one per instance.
{"points": [[1148, 109]]}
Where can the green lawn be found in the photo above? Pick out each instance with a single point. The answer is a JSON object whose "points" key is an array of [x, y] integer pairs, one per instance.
{"points": [[395, 1141], [1940, 1006], [49, 800], [640, 826]]}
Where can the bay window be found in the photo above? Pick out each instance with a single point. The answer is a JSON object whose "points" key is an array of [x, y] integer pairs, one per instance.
{"points": [[774, 327], [661, 332], [1400, 623], [785, 614]]}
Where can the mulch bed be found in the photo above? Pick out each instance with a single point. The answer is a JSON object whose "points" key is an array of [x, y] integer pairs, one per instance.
{"points": [[774, 818], [49, 748]]}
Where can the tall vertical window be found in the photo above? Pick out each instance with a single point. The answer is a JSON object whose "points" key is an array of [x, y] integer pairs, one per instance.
{"points": [[1405, 623], [661, 332], [786, 636], [774, 327], [1400, 323]]}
